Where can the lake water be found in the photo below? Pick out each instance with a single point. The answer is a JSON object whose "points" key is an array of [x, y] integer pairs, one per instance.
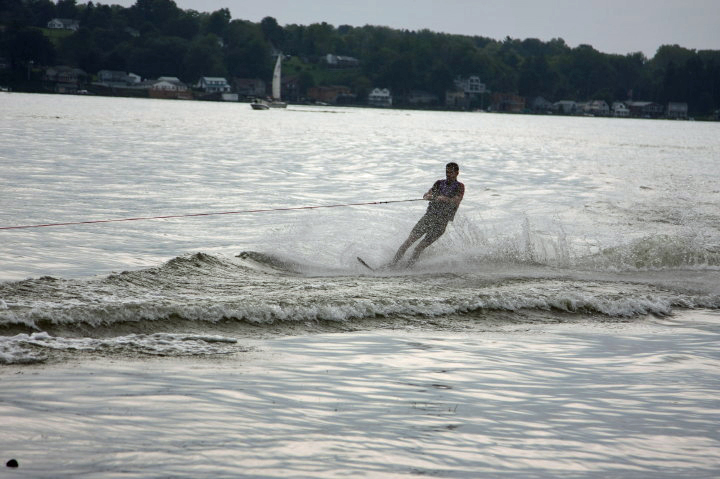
{"points": [[580, 281]]}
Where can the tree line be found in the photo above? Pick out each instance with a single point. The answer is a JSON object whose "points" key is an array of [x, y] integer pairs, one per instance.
{"points": [[156, 38]]}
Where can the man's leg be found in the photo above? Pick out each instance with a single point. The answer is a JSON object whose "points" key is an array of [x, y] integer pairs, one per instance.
{"points": [[414, 236], [418, 230], [435, 232]]}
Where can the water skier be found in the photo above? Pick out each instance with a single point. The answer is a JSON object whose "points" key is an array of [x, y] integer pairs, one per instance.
{"points": [[445, 197]]}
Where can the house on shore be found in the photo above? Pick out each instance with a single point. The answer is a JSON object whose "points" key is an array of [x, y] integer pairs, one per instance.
{"points": [[213, 85], [340, 61], [419, 97], [565, 107], [677, 110], [466, 90], [644, 109], [250, 87], [598, 108], [169, 87], [332, 94], [380, 97], [592, 108], [64, 24], [117, 78], [290, 88], [65, 79], [507, 103], [541, 105], [471, 85], [620, 110], [456, 99]]}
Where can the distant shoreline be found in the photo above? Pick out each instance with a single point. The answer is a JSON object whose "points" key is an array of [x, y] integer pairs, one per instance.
{"points": [[210, 98]]}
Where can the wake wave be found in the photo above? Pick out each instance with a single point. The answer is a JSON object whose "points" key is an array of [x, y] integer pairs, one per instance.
{"points": [[180, 307], [263, 289]]}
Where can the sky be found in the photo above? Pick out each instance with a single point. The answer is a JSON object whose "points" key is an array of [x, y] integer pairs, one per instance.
{"points": [[611, 26]]}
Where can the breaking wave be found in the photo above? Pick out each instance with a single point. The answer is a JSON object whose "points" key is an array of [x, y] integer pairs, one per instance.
{"points": [[201, 303]]}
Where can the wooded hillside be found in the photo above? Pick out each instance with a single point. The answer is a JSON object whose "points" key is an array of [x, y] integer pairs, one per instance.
{"points": [[156, 38]]}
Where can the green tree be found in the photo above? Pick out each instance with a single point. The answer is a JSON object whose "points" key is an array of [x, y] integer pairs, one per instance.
{"points": [[15, 12], [273, 32], [96, 16], [204, 57], [439, 79], [217, 23], [80, 50], [39, 12], [159, 56], [66, 9], [186, 25], [247, 54], [25, 45], [305, 81], [155, 13], [319, 39]]}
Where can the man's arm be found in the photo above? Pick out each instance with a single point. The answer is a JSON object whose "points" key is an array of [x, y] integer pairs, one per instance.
{"points": [[431, 193], [455, 200]]}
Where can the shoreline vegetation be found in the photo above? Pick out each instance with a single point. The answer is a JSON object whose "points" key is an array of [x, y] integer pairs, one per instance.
{"points": [[154, 49]]}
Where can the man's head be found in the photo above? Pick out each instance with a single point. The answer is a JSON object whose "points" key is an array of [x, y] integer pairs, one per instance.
{"points": [[451, 171]]}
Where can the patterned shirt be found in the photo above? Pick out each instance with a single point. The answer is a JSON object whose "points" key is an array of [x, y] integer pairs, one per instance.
{"points": [[441, 210]]}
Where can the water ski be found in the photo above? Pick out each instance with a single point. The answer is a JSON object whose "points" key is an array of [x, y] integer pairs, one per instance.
{"points": [[362, 262]]}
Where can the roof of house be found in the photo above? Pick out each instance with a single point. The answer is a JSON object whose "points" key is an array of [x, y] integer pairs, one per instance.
{"points": [[66, 21]]}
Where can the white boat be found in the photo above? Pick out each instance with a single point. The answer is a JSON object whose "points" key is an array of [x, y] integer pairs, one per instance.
{"points": [[276, 101], [260, 105]]}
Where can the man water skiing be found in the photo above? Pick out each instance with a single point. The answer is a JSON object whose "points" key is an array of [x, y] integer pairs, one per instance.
{"points": [[445, 197]]}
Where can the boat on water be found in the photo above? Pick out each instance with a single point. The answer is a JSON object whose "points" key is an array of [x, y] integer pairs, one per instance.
{"points": [[275, 101], [258, 104]]}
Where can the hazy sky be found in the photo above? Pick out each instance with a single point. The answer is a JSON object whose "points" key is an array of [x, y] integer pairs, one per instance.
{"points": [[611, 26]]}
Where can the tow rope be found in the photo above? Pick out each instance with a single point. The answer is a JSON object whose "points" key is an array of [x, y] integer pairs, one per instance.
{"points": [[190, 215]]}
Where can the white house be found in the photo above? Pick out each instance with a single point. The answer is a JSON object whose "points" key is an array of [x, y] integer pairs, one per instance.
{"points": [[213, 85], [567, 107], [341, 61], [113, 77], [598, 108], [164, 85], [64, 24], [169, 84], [471, 85], [380, 97], [620, 110]]}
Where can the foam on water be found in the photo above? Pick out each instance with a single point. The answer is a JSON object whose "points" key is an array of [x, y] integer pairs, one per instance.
{"points": [[34, 348], [279, 295]]}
